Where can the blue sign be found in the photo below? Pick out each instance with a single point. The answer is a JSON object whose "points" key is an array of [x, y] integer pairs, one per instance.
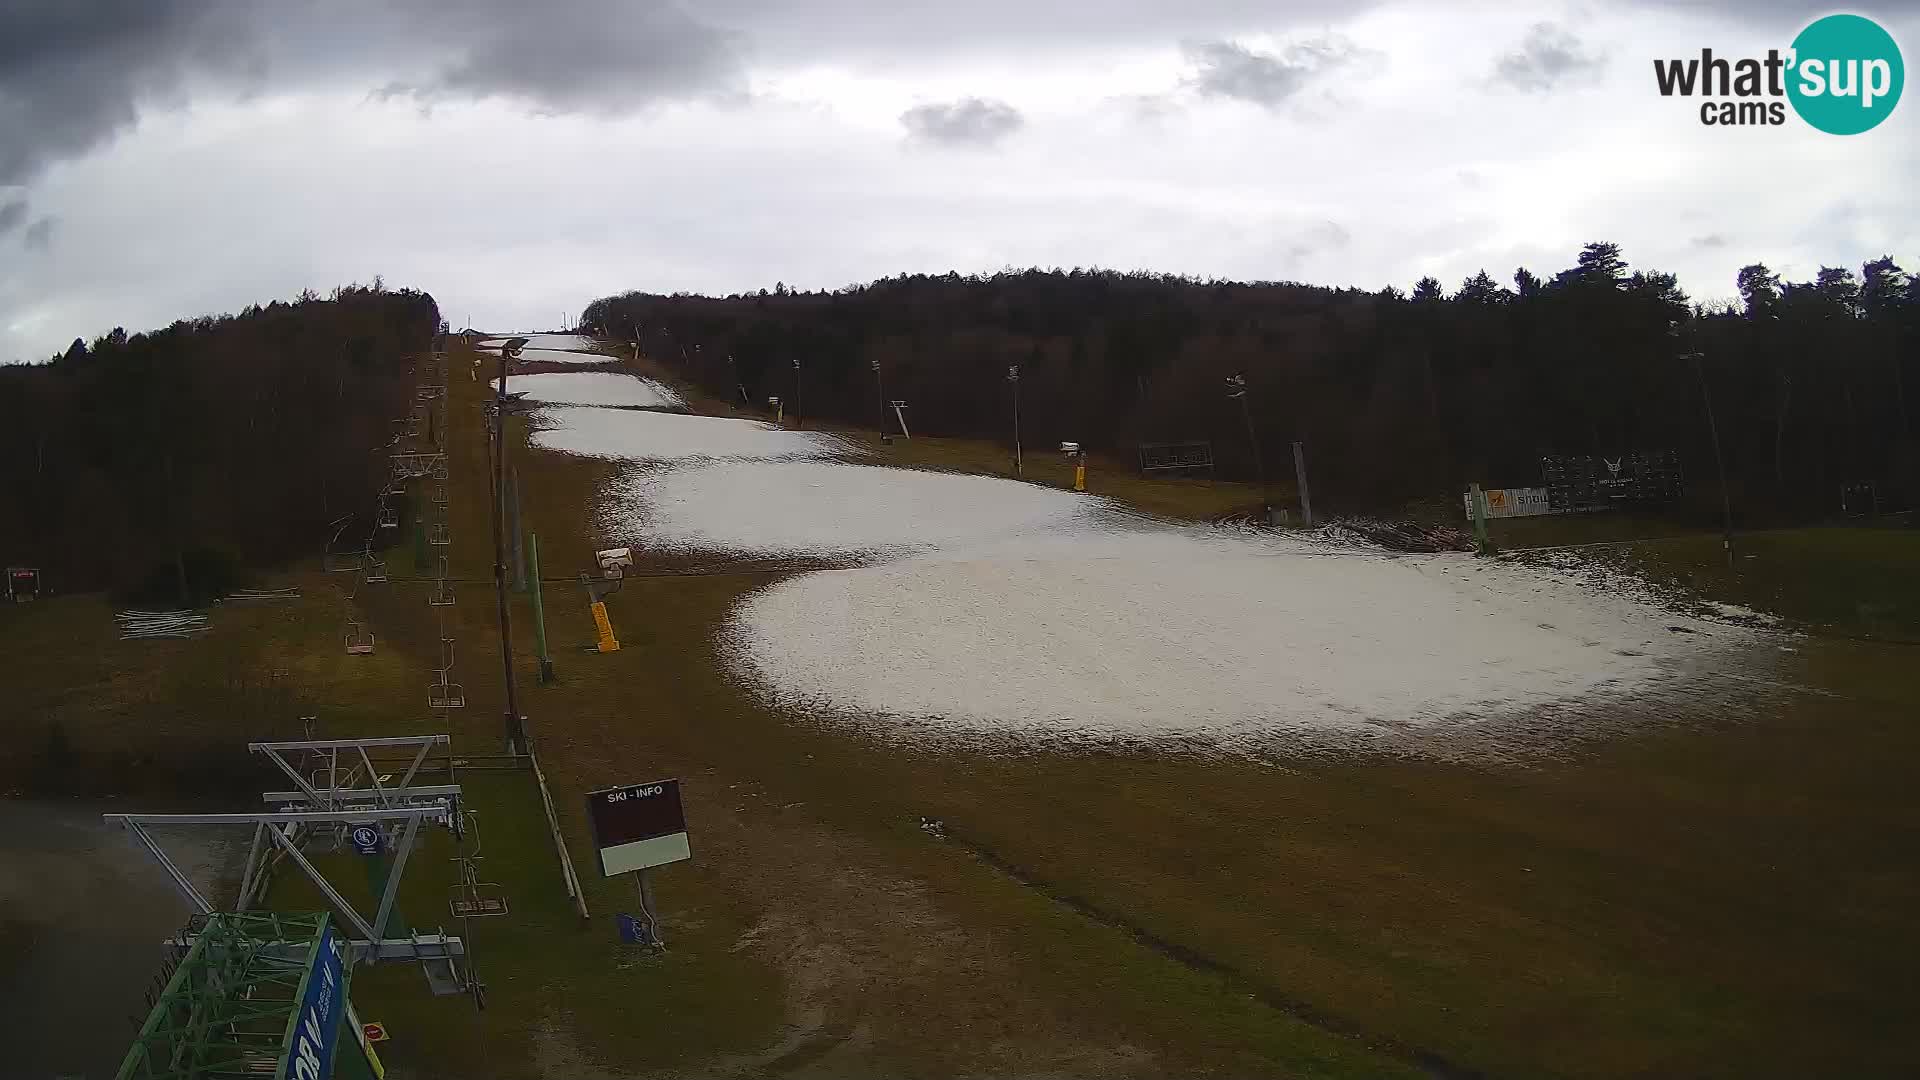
{"points": [[632, 931], [323, 999], [366, 839]]}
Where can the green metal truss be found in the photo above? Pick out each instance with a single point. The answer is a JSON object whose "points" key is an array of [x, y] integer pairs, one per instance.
{"points": [[228, 1007]]}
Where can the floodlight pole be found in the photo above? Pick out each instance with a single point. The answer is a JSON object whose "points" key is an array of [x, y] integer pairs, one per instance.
{"points": [[880, 383], [516, 736], [1720, 465], [1013, 376], [796, 394], [1237, 388]]}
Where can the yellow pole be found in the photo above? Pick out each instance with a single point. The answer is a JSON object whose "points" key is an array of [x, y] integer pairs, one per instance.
{"points": [[1080, 473], [608, 643]]}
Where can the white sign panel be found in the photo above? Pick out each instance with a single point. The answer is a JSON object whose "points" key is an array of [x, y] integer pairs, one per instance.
{"points": [[1511, 502]]}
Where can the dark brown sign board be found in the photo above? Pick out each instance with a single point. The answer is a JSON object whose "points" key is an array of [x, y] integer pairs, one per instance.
{"points": [[637, 826]]}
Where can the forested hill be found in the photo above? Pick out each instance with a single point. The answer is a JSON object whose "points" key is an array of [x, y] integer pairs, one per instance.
{"points": [[1396, 395], [226, 441]]}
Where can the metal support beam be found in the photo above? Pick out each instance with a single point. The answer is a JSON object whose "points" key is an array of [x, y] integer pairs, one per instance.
{"points": [[408, 833], [180, 881], [328, 744], [388, 798], [332, 894], [253, 866]]}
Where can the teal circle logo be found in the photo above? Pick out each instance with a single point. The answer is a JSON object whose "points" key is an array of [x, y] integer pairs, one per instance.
{"points": [[1846, 76]]}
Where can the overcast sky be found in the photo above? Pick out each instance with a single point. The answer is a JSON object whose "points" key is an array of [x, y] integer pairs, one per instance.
{"points": [[167, 158]]}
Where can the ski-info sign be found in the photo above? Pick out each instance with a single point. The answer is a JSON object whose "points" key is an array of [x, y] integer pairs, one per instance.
{"points": [[638, 826]]}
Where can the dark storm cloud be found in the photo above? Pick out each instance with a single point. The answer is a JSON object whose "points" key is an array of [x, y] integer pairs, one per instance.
{"points": [[1227, 69], [12, 214], [1549, 57], [73, 71], [39, 235], [968, 122]]}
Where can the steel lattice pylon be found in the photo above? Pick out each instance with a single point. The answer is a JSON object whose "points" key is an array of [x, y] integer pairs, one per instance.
{"points": [[230, 1005]]}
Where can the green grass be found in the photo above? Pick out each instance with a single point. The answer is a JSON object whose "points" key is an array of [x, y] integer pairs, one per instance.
{"points": [[1847, 580], [1717, 891]]}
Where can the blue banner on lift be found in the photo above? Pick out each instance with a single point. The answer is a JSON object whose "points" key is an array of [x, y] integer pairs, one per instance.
{"points": [[315, 1025]]}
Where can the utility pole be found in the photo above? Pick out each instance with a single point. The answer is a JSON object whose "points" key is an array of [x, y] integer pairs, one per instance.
{"points": [[1013, 376], [1720, 465], [1237, 388], [516, 735], [1300, 478], [880, 382], [796, 393]]}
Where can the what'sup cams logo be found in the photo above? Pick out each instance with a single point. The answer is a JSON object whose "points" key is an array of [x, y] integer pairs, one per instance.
{"points": [[1843, 75]]}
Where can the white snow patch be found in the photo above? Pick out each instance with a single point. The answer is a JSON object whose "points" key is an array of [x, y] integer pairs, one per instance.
{"points": [[1174, 632], [821, 508], [564, 342], [553, 356], [661, 436], [594, 388]]}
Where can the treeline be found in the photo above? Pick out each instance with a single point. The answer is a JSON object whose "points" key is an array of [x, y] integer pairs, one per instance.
{"points": [[1396, 395], [137, 462]]}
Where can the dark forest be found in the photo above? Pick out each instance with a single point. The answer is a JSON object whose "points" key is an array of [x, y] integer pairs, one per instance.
{"points": [[1397, 396], [216, 443]]}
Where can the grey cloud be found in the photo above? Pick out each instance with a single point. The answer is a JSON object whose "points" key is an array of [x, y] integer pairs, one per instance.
{"points": [[1711, 240], [1549, 57], [39, 235], [1326, 236], [12, 214], [968, 122], [1227, 69], [600, 56], [76, 73]]}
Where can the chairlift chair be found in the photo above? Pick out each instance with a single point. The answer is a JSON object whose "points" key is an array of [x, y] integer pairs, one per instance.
{"points": [[440, 495], [359, 640], [445, 694], [439, 467], [376, 569], [441, 596], [477, 900], [387, 516], [438, 534]]}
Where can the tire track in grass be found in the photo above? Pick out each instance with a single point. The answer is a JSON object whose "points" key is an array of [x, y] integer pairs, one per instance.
{"points": [[1434, 1064]]}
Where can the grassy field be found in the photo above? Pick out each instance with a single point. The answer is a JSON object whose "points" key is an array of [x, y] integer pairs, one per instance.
{"points": [[1722, 889]]}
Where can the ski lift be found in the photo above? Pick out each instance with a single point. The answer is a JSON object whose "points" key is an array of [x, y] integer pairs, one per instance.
{"points": [[445, 694], [387, 516], [359, 639], [376, 569], [439, 535], [23, 583], [439, 471], [440, 495], [473, 898], [478, 899], [441, 595]]}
